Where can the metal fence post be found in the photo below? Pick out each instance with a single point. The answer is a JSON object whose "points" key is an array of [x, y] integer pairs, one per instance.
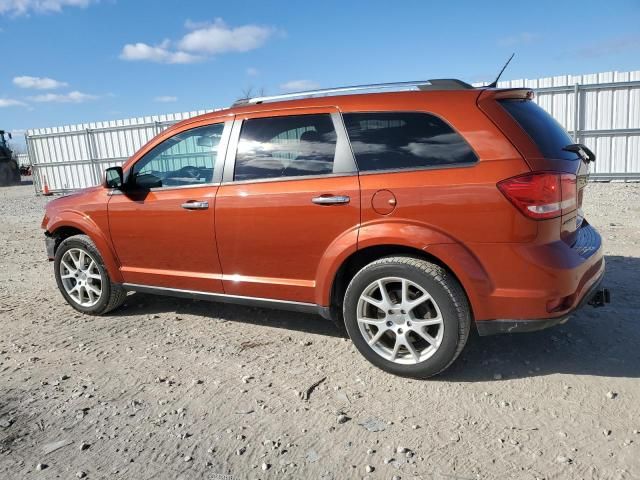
{"points": [[34, 168], [576, 111], [93, 154]]}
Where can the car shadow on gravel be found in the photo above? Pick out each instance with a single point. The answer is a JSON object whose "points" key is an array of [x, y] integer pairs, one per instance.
{"points": [[595, 341], [145, 304]]}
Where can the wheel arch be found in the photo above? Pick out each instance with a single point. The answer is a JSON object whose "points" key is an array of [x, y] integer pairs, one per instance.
{"points": [[467, 271], [81, 225]]}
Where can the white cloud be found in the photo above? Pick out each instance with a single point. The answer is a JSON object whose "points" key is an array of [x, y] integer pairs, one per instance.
{"points": [[191, 25], [299, 85], [10, 102], [611, 46], [39, 83], [204, 39], [158, 54], [252, 72], [24, 7], [165, 99], [219, 38], [522, 38], [71, 97]]}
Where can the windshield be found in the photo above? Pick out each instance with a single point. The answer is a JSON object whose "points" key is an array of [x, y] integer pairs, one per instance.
{"points": [[543, 129]]}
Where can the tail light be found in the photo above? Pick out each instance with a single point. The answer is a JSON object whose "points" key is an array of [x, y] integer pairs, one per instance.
{"points": [[541, 195]]}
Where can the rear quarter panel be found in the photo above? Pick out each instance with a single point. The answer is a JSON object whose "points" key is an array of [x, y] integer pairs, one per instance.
{"points": [[448, 211]]}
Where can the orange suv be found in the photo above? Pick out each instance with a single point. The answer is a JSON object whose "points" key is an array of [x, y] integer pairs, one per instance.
{"points": [[407, 215]]}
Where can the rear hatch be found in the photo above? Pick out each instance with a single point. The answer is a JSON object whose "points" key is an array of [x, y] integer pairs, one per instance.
{"points": [[546, 147]]}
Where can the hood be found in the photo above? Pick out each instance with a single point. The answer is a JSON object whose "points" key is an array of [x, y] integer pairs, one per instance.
{"points": [[73, 201]]}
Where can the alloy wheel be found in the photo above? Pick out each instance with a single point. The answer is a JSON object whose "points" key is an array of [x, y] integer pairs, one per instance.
{"points": [[81, 277], [400, 320]]}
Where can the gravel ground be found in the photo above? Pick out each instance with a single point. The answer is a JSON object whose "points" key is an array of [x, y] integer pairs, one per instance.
{"points": [[169, 388]]}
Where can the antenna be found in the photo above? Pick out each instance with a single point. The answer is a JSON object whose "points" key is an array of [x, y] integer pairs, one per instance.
{"points": [[495, 82]]}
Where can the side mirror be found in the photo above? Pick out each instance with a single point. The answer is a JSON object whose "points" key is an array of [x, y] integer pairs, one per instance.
{"points": [[113, 178], [10, 137]]}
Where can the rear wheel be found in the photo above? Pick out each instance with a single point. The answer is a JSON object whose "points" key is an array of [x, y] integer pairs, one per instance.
{"points": [[407, 316], [83, 279]]}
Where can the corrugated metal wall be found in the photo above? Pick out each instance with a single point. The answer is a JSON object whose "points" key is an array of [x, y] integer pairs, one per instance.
{"points": [[75, 156], [601, 110]]}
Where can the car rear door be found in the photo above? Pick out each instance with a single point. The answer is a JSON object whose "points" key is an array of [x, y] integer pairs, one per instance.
{"points": [[162, 225], [290, 192]]}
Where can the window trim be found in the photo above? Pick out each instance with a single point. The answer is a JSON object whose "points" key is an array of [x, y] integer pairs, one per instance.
{"points": [[412, 169], [344, 164], [218, 165]]}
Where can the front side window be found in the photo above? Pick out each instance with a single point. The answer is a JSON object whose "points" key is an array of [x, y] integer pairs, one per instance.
{"points": [[405, 140], [187, 158], [290, 146]]}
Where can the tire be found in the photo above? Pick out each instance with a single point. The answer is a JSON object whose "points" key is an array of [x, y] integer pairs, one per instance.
{"points": [[84, 298], [436, 328], [5, 174], [15, 171]]}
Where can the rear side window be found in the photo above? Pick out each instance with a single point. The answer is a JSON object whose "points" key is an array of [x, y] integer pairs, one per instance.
{"points": [[405, 140], [291, 146], [544, 130]]}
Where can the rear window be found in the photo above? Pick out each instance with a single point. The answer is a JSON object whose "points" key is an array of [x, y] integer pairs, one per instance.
{"points": [[544, 130], [405, 140]]}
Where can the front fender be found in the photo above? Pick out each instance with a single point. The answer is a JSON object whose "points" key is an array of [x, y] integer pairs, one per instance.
{"points": [[87, 225]]}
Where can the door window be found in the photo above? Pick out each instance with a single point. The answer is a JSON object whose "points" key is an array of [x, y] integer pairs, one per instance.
{"points": [[288, 146], [405, 140], [187, 158]]}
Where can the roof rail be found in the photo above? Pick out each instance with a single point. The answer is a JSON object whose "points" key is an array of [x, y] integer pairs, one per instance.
{"points": [[435, 84]]}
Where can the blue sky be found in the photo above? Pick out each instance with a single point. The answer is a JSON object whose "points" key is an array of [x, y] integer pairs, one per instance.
{"points": [[72, 61]]}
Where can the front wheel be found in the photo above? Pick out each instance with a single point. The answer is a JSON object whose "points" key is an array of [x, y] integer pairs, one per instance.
{"points": [[407, 316], [83, 279]]}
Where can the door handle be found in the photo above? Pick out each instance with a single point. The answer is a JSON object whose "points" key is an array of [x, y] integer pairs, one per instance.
{"points": [[331, 200], [193, 205]]}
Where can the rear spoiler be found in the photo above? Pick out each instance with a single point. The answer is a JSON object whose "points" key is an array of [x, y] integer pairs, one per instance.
{"points": [[514, 93]]}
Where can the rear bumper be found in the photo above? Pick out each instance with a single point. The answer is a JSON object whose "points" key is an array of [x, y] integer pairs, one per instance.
{"points": [[494, 327], [542, 284]]}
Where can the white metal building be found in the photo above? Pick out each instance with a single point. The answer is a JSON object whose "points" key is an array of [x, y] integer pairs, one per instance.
{"points": [[600, 110]]}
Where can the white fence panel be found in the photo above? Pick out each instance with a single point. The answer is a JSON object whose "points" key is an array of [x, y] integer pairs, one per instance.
{"points": [[601, 110], [75, 156], [23, 159]]}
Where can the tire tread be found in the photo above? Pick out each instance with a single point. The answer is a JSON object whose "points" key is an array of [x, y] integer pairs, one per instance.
{"points": [[447, 281], [117, 294]]}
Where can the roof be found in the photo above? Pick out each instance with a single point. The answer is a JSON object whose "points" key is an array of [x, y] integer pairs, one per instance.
{"points": [[356, 94]]}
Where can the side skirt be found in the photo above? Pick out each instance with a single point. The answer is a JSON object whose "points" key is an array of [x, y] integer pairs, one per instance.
{"points": [[235, 299]]}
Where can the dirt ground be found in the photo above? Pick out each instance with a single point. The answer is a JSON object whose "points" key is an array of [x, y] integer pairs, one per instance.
{"points": [[170, 388]]}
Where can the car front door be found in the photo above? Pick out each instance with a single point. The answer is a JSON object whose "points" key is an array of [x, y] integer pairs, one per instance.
{"points": [[290, 195], [162, 223]]}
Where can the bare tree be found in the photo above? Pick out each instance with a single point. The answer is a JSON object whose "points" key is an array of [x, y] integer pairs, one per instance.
{"points": [[250, 92]]}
